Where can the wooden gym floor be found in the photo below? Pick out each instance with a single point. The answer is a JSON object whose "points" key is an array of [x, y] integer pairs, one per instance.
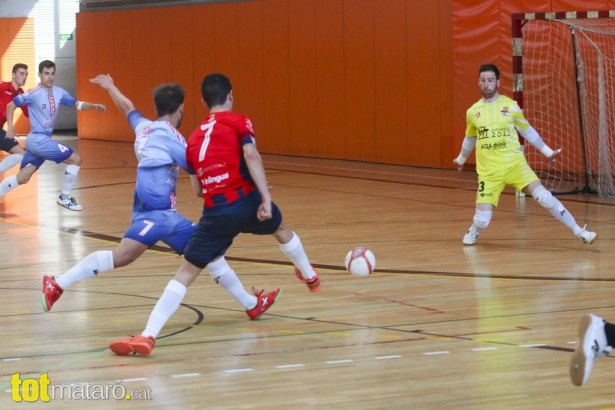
{"points": [[438, 325]]}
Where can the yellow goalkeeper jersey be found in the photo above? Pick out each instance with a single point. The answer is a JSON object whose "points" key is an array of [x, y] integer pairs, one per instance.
{"points": [[495, 127]]}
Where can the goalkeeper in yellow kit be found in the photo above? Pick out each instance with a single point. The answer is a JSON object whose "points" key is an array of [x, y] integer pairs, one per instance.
{"points": [[492, 127]]}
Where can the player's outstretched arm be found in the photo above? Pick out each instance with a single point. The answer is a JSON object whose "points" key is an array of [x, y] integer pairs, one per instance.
{"points": [[555, 154], [467, 147], [531, 136], [10, 112], [257, 172], [86, 106], [120, 100], [197, 188], [457, 165]]}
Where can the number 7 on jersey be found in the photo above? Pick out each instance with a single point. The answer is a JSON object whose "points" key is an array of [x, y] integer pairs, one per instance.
{"points": [[208, 128]]}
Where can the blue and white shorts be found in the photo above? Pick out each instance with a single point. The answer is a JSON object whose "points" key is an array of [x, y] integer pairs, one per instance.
{"points": [[168, 226]]}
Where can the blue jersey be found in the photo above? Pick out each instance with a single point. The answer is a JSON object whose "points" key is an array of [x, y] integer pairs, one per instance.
{"points": [[161, 151], [43, 107]]}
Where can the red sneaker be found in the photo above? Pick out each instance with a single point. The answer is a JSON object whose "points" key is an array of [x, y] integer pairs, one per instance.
{"points": [[51, 292], [263, 302], [312, 284], [133, 345]]}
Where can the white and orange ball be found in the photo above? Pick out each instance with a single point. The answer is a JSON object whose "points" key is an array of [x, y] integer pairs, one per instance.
{"points": [[360, 262]]}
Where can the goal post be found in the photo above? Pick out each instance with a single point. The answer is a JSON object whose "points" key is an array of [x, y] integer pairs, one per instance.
{"points": [[564, 80]]}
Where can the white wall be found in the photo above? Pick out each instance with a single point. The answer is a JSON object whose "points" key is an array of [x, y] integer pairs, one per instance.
{"points": [[16, 8], [52, 19]]}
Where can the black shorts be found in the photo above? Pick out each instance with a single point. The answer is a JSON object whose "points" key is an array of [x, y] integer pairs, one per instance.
{"points": [[220, 225], [6, 144]]}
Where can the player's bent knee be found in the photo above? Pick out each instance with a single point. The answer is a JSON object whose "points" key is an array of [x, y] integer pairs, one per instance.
{"points": [[74, 159], [17, 149], [123, 260], [544, 197], [24, 174], [283, 234], [482, 219], [23, 179], [218, 268]]}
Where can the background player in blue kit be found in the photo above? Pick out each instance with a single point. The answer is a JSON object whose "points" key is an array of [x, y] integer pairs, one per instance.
{"points": [[43, 104], [161, 150]]}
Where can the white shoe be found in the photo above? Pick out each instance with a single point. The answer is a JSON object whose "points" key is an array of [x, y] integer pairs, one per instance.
{"points": [[591, 345], [69, 203], [587, 236], [471, 236]]}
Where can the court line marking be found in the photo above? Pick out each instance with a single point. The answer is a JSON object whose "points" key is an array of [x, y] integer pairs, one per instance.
{"points": [[239, 370], [338, 361], [179, 376], [302, 366], [396, 356]]}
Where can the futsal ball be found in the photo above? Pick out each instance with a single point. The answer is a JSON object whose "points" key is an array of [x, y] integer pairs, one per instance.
{"points": [[360, 262]]}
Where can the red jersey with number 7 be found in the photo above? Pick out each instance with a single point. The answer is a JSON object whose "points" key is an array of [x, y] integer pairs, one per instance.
{"points": [[215, 155]]}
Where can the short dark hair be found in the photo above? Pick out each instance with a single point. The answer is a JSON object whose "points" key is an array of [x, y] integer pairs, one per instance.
{"points": [[168, 98], [215, 88], [19, 66], [46, 64], [489, 67]]}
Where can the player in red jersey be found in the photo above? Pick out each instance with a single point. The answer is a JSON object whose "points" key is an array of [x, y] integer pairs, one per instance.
{"points": [[230, 175], [8, 90]]}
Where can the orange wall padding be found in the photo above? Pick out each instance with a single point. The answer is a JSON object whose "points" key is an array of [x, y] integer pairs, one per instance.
{"points": [[365, 80], [17, 46], [384, 81]]}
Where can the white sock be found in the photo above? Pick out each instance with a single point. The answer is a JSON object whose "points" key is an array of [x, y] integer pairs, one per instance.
{"points": [[70, 176], [165, 307], [10, 161], [483, 218], [294, 251], [91, 265], [8, 184], [226, 277], [560, 213]]}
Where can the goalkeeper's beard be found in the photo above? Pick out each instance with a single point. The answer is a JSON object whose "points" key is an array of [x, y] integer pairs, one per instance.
{"points": [[489, 94]]}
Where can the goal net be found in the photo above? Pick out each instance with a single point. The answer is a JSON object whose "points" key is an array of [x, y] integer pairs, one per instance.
{"points": [[564, 79]]}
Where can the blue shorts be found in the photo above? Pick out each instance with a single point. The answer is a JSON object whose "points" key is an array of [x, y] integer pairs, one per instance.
{"points": [[220, 225], [41, 147], [167, 226], [6, 144]]}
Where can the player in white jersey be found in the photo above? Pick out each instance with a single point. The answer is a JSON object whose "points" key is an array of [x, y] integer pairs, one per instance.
{"points": [[43, 104], [161, 150], [494, 124]]}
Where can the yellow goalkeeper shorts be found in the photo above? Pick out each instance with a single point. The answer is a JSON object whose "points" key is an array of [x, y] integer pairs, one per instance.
{"points": [[490, 186]]}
